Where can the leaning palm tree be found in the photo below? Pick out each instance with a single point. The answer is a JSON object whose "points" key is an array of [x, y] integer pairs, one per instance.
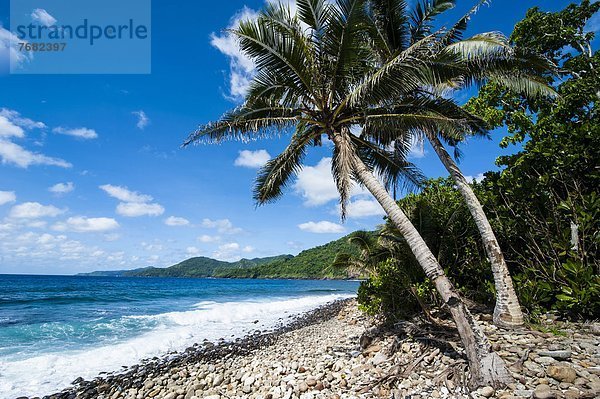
{"points": [[317, 76], [394, 29]]}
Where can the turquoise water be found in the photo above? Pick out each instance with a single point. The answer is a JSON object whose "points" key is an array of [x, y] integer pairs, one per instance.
{"points": [[54, 329]]}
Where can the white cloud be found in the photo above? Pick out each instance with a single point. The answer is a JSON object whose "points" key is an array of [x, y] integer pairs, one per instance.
{"points": [[321, 227], [417, 149], [16, 118], [9, 51], [206, 238], [82, 224], [80, 132], [223, 226], [471, 179], [176, 221], [143, 119], [241, 66], [135, 209], [34, 210], [7, 197], [315, 184], [9, 129], [43, 17], [111, 237], [231, 251], [192, 251], [152, 247], [13, 125], [135, 204], [361, 208], [124, 194], [252, 159], [62, 188], [12, 153]]}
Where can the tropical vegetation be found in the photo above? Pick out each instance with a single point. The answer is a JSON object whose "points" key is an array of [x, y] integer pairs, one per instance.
{"points": [[371, 76], [543, 203]]}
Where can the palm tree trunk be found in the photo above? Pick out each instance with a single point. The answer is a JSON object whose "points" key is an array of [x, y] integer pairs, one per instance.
{"points": [[486, 367], [507, 312]]}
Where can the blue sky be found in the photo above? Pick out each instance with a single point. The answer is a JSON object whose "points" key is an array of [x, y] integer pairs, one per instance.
{"points": [[92, 175]]}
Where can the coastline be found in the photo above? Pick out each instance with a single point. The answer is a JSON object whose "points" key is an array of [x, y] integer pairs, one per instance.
{"points": [[110, 385], [336, 352]]}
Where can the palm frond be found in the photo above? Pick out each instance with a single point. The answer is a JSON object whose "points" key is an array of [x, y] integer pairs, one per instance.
{"points": [[400, 75], [245, 123], [391, 165], [342, 167], [277, 172], [425, 11], [344, 42], [274, 51], [388, 26], [314, 13], [455, 33]]}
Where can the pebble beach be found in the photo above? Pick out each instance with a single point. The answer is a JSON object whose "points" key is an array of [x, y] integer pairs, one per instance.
{"points": [[337, 352]]}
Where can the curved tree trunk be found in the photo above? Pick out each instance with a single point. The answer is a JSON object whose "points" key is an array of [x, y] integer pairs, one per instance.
{"points": [[487, 368], [507, 312]]}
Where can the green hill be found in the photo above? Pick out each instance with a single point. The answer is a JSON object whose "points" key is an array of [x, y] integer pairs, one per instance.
{"points": [[311, 263], [202, 267]]}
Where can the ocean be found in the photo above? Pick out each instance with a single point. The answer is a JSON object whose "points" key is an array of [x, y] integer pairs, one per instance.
{"points": [[54, 329]]}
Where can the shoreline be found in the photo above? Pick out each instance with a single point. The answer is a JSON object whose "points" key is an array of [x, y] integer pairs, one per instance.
{"points": [[206, 351], [336, 352]]}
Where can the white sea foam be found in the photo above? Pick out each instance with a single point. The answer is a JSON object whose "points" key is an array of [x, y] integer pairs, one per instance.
{"points": [[50, 372]]}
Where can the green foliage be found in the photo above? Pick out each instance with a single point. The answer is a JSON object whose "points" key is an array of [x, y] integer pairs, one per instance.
{"points": [[203, 267], [311, 263], [389, 291], [443, 220], [548, 190]]}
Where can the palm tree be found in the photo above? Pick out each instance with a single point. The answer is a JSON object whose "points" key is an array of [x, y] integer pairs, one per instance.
{"points": [[394, 29], [316, 75]]}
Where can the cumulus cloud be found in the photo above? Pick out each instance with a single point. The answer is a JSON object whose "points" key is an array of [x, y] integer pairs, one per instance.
{"points": [[206, 238], [42, 17], [135, 209], [124, 194], [80, 132], [252, 159], [62, 188], [322, 227], [316, 185], [478, 177], [134, 204], [7, 197], [9, 129], [34, 210], [176, 221], [156, 247], [231, 251], [362, 208], [241, 67], [16, 118], [80, 224], [192, 251], [9, 51], [12, 153], [223, 226], [417, 149], [142, 119], [13, 125]]}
